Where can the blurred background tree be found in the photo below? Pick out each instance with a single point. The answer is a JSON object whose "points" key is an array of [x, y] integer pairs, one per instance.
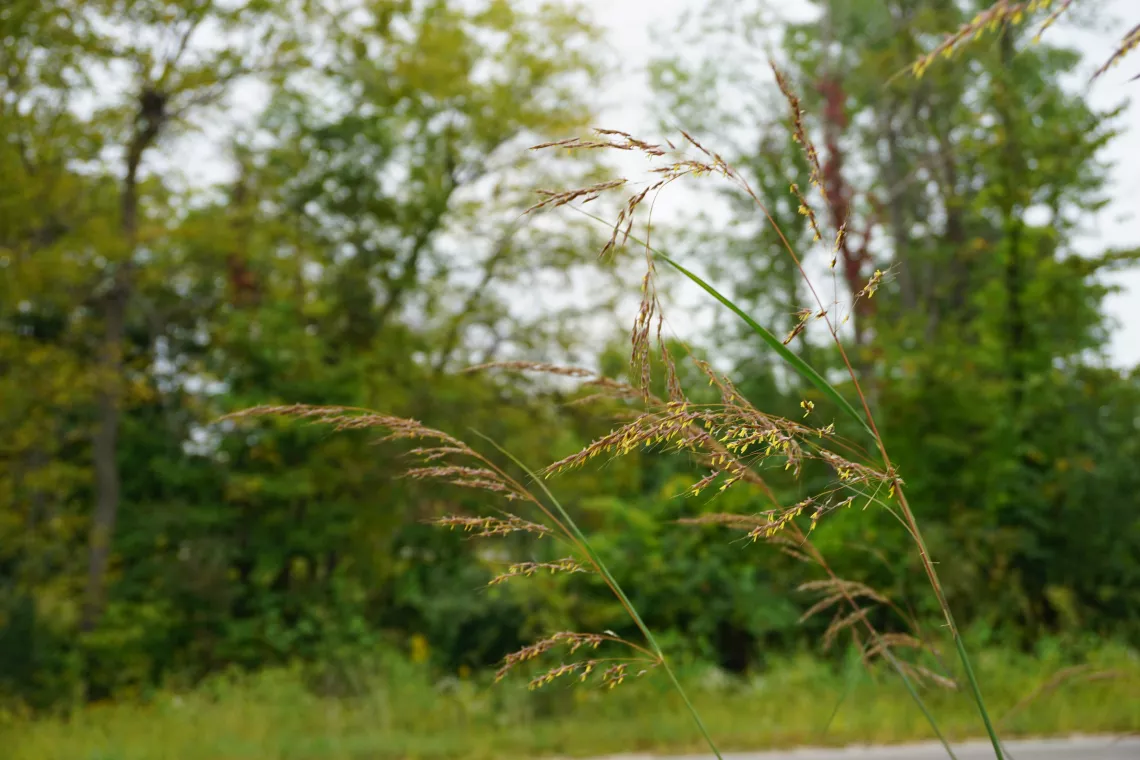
{"points": [[367, 244]]}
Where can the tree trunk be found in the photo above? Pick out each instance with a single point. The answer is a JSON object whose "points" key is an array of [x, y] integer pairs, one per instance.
{"points": [[104, 453], [105, 441]]}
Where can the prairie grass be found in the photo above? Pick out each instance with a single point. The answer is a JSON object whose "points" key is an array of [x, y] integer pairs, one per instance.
{"points": [[719, 437], [401, 713]]}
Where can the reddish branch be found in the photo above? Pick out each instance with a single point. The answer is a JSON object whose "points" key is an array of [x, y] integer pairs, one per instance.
{"points": [[244, 288]]}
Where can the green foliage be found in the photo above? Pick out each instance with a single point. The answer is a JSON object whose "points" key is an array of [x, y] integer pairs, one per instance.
{"points": [[366, 244], [322, 272], [402, 713], [985, 351]]}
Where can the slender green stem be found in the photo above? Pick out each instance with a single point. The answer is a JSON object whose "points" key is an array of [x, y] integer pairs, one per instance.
{"points": [[914, 695], [978, 696], [617, 590], [959, 644]]}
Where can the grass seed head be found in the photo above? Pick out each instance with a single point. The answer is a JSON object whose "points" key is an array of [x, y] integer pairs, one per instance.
{"points": [[527, 569], [1128, 43], [485, 527], [567, 640]]}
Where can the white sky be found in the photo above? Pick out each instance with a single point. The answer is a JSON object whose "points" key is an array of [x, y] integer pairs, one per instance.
{"points": [[627, 23]]}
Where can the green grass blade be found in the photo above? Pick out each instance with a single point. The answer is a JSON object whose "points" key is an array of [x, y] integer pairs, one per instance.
{"points": [[977, 693], [617, 589], [848, 687], [917, 699], [804, 369]]}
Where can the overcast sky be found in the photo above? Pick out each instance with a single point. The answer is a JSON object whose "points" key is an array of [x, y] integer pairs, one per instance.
{"points": [[627, 22]]}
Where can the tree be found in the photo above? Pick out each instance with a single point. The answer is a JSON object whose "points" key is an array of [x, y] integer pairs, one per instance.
{"points": [[366, 247], [966, 186]]}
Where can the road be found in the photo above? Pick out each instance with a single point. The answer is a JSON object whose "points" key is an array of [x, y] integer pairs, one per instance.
{"points": [[1075, 748]]}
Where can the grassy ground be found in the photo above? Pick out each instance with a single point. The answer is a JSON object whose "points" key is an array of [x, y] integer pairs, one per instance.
{"points": [[274, 717]]}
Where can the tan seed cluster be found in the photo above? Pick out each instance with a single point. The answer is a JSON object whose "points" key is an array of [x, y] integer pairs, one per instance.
{"points": [[573, 641], [527, 569], [485, 527]]}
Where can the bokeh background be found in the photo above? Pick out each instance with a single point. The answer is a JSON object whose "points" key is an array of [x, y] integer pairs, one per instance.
{"points": [[209, 206]]}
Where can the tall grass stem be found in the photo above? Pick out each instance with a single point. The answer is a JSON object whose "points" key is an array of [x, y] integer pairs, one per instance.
{"points": [[617, 590]]}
